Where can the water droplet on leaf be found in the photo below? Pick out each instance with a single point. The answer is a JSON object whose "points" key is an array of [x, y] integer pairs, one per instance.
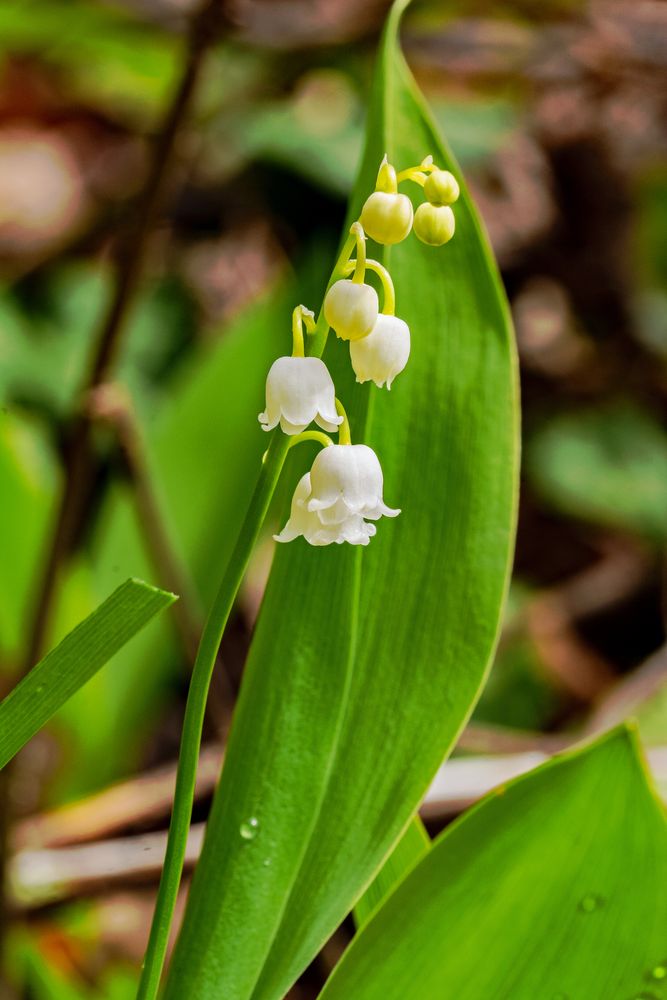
{"points": [[248, 830], [590, 903], [658, 971]]}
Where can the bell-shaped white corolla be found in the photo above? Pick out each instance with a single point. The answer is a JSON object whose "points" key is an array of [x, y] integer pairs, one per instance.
{"points": [[351, 308], [298, 391], [346, 479], [383, 353], [303, 522]]}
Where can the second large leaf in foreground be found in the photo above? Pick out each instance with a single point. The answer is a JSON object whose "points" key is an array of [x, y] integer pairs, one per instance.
{"points": [[365, 665], [553, 889]]}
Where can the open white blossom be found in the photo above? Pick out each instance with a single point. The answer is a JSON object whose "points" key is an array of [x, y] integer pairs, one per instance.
{"points": [[298, 391], [383, 353], [346, 479], [303, 522]]}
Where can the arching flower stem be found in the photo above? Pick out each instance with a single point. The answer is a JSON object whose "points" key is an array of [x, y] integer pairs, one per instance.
{"points": [[320, 436], [357, 230], [344, 436], [388, 293], [417, 174], [301, 316]]}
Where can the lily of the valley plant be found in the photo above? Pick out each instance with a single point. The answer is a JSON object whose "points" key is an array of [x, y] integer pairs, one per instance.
{"points": [[343, 491]]}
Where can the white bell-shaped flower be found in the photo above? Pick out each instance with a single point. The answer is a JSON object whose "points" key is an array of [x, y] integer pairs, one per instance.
{"points": [[346, 479], [303, 522], [351, 309], [383, 353], [298, 391]]}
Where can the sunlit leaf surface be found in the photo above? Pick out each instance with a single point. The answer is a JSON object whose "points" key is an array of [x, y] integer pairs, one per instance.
{"points": [[552, 887]]}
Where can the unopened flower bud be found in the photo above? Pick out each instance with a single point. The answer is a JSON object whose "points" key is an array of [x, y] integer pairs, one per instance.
{"points": [[434, 224], [351, 309], [387, 218], [441, 188], [383, 353]]}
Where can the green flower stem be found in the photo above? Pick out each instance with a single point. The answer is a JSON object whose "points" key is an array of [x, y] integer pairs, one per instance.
{"points": [[357, 231], [194, 716], [388, 293], [203, 669], [344, 436]]}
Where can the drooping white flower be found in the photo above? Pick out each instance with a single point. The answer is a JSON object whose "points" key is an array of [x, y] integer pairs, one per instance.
{"points": [[346, 480], [383, 353], [351, 309], [298, 391], [303, 522]]}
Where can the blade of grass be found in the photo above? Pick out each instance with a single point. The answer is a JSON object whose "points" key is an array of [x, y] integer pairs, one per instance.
{"points": [[54, 680]]}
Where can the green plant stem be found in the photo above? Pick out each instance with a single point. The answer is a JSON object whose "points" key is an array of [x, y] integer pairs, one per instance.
{"points": [[195, 708], [194, 716]]}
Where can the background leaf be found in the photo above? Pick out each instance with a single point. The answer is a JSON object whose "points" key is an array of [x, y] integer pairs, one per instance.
{"points": [[484, 916], [74, 661], [347, 707]]}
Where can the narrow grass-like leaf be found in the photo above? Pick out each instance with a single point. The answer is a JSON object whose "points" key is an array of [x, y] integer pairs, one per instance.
{"points": [[410, 849], [74, 661], [552, 887], [365, 666]]}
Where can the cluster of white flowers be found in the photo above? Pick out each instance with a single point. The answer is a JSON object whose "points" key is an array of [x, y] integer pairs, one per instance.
{"points": [[342, 493]]}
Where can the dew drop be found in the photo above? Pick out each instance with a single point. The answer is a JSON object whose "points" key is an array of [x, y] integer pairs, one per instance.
{"points": [[266, 862], [39, 689], [658, 971], [248, 830], [590, 903]]}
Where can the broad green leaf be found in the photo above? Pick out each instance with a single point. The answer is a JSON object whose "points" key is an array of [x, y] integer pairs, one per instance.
{"points": [[582, 464], [74, 661], [552, 887], [410, 849], [365, 665]]}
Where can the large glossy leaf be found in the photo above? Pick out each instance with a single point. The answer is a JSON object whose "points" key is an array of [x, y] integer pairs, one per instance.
{"points": [[552, 887], [61, 673], [365, 665]]}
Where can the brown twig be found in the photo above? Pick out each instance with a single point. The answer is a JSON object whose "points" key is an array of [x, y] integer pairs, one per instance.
{"points": [[135, 802], [41, 875]]}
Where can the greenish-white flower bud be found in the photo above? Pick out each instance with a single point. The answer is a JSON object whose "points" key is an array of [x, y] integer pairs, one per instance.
{"points": [[434, 224], [351, 309], [441, 188], [387, 218]]}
